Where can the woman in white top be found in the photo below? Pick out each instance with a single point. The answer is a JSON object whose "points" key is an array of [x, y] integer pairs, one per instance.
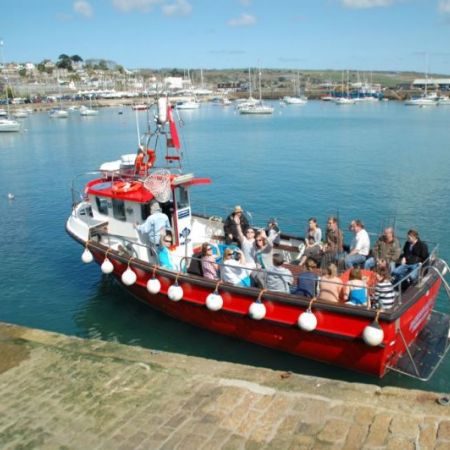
{"points": [[233, 271]]}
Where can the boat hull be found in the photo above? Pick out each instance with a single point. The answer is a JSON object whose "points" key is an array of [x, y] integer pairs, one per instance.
{"points": [[337, 339]]}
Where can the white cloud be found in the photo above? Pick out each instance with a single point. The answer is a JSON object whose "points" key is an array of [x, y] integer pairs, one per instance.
{"points": [[244, 20], [361, 4], [84, 8], [140, 5], [444, 6], [179, 8]]}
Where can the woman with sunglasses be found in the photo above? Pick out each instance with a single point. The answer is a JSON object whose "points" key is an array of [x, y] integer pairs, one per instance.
{"points": [[210, 268], [233, 271], [164, 255]]}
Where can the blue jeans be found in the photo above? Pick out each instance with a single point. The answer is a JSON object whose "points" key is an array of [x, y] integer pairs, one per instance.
{"points": [[370, 264], [402, 271], [351, 260]]}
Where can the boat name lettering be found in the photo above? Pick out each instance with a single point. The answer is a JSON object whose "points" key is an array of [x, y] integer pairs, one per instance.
{"points": [[183, 214], [422, 314]]}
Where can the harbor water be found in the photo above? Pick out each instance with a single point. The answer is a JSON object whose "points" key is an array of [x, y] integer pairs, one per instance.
{"points": [[383, 162]]}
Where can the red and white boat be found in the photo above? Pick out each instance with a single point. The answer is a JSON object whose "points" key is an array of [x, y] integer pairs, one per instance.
{"points": [[411, 338]]}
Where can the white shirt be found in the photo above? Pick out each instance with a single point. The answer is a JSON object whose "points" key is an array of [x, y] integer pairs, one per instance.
{"points": [[232, 272], [361, 243], [153, 226]]}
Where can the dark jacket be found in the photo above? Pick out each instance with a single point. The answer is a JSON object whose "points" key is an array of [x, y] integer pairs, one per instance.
{"points": [[229, 227], [418, 253], [307, 284]]}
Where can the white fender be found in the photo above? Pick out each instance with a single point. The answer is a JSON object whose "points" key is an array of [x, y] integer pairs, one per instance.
{"points": [[373, 334], [175, 292], [214, 301], [307, 321], [87, 256], [257, 311], [153, 285], [129, 277], [107, 266]]}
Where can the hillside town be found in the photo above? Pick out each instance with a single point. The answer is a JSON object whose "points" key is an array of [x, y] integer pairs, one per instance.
{"points": [[72, 78]]}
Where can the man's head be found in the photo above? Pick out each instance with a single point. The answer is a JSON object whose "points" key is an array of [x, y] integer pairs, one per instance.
{"points": [[388, 234], [332, 223], [277, 259], [356, 225], [413, 236], [154, 207]]}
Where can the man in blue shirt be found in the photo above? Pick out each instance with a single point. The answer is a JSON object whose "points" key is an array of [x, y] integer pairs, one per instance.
{"points": [[156, 225]]}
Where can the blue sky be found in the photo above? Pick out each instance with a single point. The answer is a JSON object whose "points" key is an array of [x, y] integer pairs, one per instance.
{"points": [[294, 34]]}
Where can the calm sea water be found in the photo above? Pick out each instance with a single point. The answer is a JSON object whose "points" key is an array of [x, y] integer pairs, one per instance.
{"points": [[384, 163]]}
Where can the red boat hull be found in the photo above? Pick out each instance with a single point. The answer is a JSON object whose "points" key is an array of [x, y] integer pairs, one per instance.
{"points": [[336, 340]]}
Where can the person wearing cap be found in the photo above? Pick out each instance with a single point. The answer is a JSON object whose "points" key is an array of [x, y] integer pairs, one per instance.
{"points": [[230, 228], [156, 225]]}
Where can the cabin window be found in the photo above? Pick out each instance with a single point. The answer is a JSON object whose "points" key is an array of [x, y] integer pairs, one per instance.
{"points": [[182, 197], [102, 205], [119, 209]]}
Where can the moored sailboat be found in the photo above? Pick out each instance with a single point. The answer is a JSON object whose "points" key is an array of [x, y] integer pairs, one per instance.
{"points": [[7, 124]]}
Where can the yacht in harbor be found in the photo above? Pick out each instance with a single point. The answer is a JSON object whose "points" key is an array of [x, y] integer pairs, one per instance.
{"points": [[7, 124], [427, 99], [258, 107], [297, 98], [58, 113]]}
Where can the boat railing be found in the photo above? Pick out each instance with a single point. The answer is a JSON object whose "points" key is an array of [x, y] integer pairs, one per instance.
{"points": [[79, 193], [128, 247]]}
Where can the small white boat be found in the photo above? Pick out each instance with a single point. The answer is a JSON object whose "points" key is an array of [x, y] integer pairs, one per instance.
{"points": [[423, 100], [344, 101], [295, 100], [58, 113], [188, 104], [20, 114], [9, 125], [85, 111], [443, 100], [139, 107], [3, 113], [257, 108]]}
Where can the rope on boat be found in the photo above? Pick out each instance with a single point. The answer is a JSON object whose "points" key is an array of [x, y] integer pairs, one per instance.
{"points": [[261, 293], [216, 289]]}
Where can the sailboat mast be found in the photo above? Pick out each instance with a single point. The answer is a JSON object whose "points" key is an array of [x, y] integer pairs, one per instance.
{"points": [[260, 96], [6, 79], [250, 83]]}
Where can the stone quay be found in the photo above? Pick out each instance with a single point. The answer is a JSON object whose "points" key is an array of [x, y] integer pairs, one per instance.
{"points": [[60, 392]]}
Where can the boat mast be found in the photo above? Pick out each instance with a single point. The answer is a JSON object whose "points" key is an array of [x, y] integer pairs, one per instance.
{"points": [[249, 83], [6, 78], [260, 96]]}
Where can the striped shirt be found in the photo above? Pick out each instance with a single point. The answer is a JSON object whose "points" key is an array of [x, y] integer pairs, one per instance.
{"points": [[385, 294]]}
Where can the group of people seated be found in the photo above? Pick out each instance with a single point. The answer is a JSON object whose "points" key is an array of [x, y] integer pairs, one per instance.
{"points": [[248, 259], [253, 261]]}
